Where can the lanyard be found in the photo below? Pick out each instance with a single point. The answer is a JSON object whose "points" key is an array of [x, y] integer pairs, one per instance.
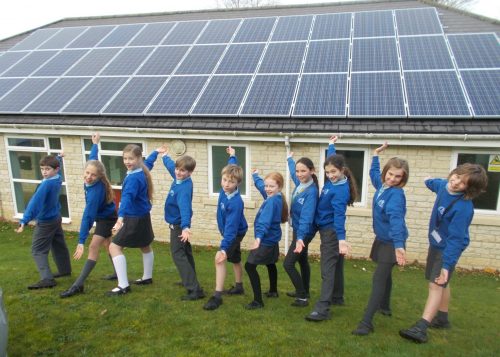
{"points": [[440, 219]]}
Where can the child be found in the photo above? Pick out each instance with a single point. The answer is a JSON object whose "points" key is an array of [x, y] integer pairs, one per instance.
{"points": [[178, 213], [303, 208], [448, 238], [232, 226], [133, 228], [100, 208], [388, 249], [48, 235], [337, 193], [265, 249]]}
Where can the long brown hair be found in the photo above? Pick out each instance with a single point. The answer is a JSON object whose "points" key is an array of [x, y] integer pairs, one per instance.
{"points": [[101, 175], [137, 152], [477, 179], [397, 163], [278, 178], [338, 161]]}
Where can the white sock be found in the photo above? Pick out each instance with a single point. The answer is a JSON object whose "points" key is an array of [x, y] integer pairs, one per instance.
{"points": [[120, 264], [147, 262]]}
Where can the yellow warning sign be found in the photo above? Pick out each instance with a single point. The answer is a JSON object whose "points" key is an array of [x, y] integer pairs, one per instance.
{"points": [[494, 163]]}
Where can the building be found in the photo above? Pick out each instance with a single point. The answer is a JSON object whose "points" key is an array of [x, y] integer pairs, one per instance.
{"points": [[105, 80]]}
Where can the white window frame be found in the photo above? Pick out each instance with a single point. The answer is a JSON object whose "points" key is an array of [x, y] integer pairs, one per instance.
{"points": [[46, 150], [453, 165], [246, 169], [366, 170]]}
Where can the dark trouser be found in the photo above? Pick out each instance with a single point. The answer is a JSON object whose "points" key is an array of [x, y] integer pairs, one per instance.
{"points": [[338, 284], [329, 250], [49, 236], [299, 281], [182, 255], [381, 291], [251, 270]]}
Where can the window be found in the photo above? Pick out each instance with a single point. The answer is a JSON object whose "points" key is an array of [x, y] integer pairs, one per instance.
{"points": [[488, 201], [24, 155], [218, 159]]}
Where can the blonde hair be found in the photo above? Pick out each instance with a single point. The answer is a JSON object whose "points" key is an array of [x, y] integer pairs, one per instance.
{"points": [[101, 175], [234, 172], [278, 178], [397, 163], [137, 152]]}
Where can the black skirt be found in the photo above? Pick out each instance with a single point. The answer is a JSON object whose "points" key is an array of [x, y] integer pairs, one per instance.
{"points": [[104, 227], [137, 232], [264, 255], [383, 252]]}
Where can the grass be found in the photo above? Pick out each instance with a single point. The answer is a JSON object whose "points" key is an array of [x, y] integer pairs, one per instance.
{"points": [[153, 321]]}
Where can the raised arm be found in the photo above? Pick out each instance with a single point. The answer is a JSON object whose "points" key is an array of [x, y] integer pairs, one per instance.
{"points": [[291, 168], [331, 145], [169, 164], [375, 168], [259, 183], [94, 150], [232, 156]]}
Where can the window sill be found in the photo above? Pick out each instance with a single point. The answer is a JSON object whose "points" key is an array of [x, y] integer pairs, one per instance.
{"points": [[65, 220], [486, 220]]}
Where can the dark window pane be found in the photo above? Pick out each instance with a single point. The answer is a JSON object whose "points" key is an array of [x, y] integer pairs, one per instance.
{"points": [[355, 161], [24, 191], [114, 168], [26, 165], [87, 144], [38, 143], [55, 143], [219, 160]]}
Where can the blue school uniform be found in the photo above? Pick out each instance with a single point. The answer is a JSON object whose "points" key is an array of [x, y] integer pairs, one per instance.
{"points": [[453, 226], [267, 225], [178, 205]]}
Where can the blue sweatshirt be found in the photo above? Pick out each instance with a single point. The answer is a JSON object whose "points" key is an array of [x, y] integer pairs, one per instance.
{"points": [[454, 225], [178, 205], [389, 210], [267, 225], [44, 205], [230, 216], [303, 207], [135, 200], [96, 206]]}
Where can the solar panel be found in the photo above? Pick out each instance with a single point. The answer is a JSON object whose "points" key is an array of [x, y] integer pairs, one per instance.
{"points": [[28, 64], [255, 30], [127, 61], [376, 54], [35, 39], [426, 52], [24, 93], [435, 94], [201, 59], [331, 26], [475, 50], [60, 63], [54, 98], [270, 95], [62, 38], [484, 91], [91, 37], [241, 58], [219, 31], [283, 57], [376, 95], [135, 96], [93, 62], [423, 21], [9, 58], [184, 33], [178, 96], [120, 36], [6, 84], [152, 34], [163, 60], [292, 28], [327, 56], [322, 95], [373, 24], [97, 93]]}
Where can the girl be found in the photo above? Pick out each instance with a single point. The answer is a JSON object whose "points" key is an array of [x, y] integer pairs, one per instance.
{"points": [[388, 249], [303, 208], [133, 228], [338, 192], [265, 249], [448, 238], [100, 207]]}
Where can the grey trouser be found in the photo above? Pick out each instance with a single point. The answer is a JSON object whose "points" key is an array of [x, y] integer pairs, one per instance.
{"points": [[182, 255]]}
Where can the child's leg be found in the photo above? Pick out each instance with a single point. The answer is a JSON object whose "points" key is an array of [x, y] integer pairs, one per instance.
{"points": [[94, 246], [238, 273], [329, 250], [433, 301], [60, 251], [289, 265], [40, 248], [120, 264], [305, 269], [385, 304], [148, 259], [273, 277], [220, 276], [180, 251], [445, 299], [382, 271], [106, 244], [251, 270], [338, 284]]}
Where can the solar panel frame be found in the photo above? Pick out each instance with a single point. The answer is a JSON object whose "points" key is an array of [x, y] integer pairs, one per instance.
{"points": [[60, 63], [375, 54], [93, 62], [185, 33], [62, 38], [163, 60], [327, 56], [374, 24], [292, 28], [152, 34], [241, 58], [127, 62], [201, 59], [475, 50], [419, 21], [484, 94], [256, 29], [35, 39], [332, 26], [283, 57], [91, 37], [219, 31], [121, 35], [437, 55], [23, 94], [30, 63]]}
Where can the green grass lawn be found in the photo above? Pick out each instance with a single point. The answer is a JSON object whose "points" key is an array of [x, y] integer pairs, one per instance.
{"points": [[153, 321]]}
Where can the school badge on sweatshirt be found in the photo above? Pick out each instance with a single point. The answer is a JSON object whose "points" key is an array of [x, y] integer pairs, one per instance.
{"points": [[381, 203], [301, 200]]}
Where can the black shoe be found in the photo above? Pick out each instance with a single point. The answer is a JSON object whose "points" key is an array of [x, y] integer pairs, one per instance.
{"points": [[61, 275], [254, 305], [213, 303], [437, 323], [120, 291], [272, 294], [293, 294], [143, 281], [338, 302], [385, 312], [73, 290], [300, 302], [363, 329], [193, 295], [318, 316], [110, 277], [414, 333], [43, 284], [235, 290]]}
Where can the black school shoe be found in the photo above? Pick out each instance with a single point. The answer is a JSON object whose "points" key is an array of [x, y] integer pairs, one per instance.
{"points": [[61, 275], [142, 281], [120, 291], [272, 294], [193, 295], [213, 303], [437, 323], [293, 294], [73, 290], [110, 277], [300, 303], [254, 305], [363, 329], [318, 316], [415, 334], [43, 284], [234, 290]]}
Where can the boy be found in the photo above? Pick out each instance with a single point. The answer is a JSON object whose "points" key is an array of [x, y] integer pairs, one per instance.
{"points": [[178, 213], [448, 237], [233, 227], [48, 235]]}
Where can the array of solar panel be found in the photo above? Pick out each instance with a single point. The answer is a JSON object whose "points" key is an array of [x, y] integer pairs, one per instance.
{"points": [[364, 64]]}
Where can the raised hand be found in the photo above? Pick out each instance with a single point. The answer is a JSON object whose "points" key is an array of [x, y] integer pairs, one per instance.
{"points": [[96, 137], [333, 139], [231, 151], [380, 149]]}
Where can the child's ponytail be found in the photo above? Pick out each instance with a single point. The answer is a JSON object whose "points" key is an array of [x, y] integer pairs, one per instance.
{"points": [[353, 188]]}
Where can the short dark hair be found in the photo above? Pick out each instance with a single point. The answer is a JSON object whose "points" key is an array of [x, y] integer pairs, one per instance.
{"points": [[477, 179], [51, 161], [186, 162]]}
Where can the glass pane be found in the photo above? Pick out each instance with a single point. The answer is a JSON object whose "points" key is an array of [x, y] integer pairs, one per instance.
{"points": [[219, 160], [489, 199], [38, 143], [114, 168], [115, 146], [63, 200], [55, 143], [87, 157], [355, 162], [25, 165], [24, 191], [87, 144]]}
